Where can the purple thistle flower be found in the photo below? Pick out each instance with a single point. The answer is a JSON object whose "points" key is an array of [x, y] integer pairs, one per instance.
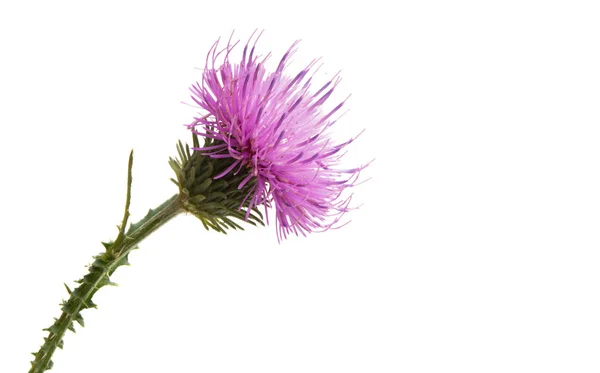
{"points": [[272, 124]]}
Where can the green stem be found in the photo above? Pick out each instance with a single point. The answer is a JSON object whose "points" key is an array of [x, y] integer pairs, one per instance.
{"points": [[104, 265]]}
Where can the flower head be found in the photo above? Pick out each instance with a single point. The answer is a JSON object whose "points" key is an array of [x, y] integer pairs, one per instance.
{"points": [[276, 126]]}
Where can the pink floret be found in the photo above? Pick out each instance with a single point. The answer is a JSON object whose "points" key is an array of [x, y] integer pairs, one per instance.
{"points": [[272, 124]]}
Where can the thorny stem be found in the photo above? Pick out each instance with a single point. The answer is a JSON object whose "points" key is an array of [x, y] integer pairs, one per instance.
{"points": [[104, 265], [212, 201]]}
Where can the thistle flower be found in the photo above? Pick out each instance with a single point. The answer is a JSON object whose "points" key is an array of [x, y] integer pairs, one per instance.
{"points": [[266, 142], [274, 124]]}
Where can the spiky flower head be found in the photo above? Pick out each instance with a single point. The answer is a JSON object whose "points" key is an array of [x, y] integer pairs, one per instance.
{"points": [[275, 125]]}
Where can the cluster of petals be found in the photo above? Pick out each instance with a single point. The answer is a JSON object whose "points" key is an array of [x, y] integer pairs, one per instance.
{"points": [[276, 126]]}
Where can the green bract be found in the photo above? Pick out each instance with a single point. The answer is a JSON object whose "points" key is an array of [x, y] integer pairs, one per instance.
{"points": [[212, 201]]}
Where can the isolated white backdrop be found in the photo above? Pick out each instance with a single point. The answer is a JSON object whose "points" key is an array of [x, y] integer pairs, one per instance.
{"points": [[475, 249]]}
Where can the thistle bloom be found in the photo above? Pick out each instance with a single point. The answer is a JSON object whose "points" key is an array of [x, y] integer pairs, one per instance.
{"points": [[266, 139], [274, 125]]}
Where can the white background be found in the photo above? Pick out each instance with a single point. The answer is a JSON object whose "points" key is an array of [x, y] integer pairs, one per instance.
{"points": [[476, 248]]}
